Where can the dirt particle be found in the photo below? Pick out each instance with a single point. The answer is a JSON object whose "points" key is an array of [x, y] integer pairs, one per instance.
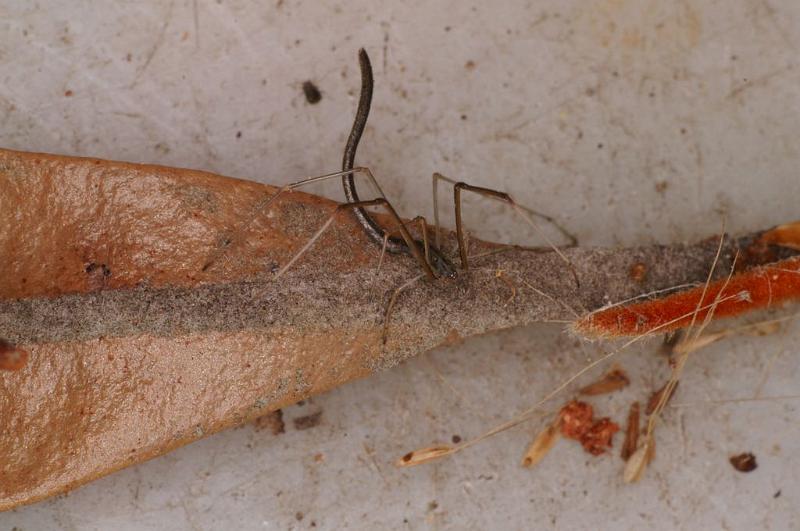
{"points": [[12, 358], [777, 494], [432, 506], [68, 93], [598, 439], [576, 419], [470, 65], [745, 462], [638, 272], [298, 516], [312, 93], [271, 421], [238, 134], [308, 421], [661, 186], [456, 439]]}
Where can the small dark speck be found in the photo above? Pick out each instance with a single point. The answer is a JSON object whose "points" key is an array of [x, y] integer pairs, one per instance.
{"points": [[777, 494], [298, 515], [68, 93], [456, 439], [652, 94], [432, 506], [683, 130], [463, 116], [734, 57], [745, 462], [600, 145], [308, 421], [238, 134], [447, 28], [313, 95]]}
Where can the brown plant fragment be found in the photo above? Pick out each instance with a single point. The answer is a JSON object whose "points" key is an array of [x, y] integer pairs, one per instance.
{"points": [[423, 455], [12, 358], [655, 398], [576, 419], [542, 444], [613, 380], [272, 421], [745, 462], [631, 433], [598, 438]]}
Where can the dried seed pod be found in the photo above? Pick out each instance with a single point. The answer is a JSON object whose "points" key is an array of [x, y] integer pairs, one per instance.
{"points": [[423, 455], [542, 444], [613, 380], [631, 433], [636, 465]]}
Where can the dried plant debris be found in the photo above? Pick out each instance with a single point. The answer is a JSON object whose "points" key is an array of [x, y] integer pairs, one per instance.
{"points": [[423, 455], [308, 421], [598, 439], [576, 419], [745, 462], [637, 464], [542, 444], [612, 381], [655, 398], [577, 423], [271, 421], [631, 433]]}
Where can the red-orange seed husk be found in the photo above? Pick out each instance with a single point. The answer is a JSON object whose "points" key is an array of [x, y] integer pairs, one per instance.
{"points": [[757, 288]]}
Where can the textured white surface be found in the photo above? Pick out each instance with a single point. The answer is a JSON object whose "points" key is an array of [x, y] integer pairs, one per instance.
{"points": [[632, 121]]}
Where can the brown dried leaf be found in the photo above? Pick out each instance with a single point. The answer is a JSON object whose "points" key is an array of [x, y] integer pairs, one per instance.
{"points": [[613, 380], [423, 455], [631, 433], [542, 444]]}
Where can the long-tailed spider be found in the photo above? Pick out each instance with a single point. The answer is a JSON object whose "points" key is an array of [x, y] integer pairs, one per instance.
{"points": [[431, 259]]}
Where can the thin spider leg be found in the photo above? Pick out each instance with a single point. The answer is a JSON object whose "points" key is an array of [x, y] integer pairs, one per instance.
{"points": [[437, 229], [380, 201], [501, 196], [262, 206]]}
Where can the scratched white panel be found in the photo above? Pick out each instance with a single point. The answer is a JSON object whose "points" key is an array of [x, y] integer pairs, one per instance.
{"points": [[632, 121]]}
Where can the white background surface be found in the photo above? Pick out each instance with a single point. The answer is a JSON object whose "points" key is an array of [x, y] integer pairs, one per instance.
{"points": [[632, 121]]}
